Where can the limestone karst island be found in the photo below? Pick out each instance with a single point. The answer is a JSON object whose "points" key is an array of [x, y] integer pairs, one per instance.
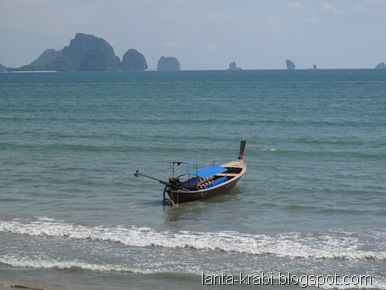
{"points": [[90, 53], [87, 52]]}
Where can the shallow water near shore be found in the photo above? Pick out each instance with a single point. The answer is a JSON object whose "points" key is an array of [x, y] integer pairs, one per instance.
{"points": [[73, 216]]}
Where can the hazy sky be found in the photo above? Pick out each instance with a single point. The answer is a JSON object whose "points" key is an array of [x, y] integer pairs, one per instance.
{"points": [[204, 34]]}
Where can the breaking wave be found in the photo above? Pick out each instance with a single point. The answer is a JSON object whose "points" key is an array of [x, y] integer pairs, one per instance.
{"points": [[68, 265], [330, 245]]}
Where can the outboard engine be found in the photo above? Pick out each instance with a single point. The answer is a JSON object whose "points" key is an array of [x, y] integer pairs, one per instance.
{"points": [[174, 182]]}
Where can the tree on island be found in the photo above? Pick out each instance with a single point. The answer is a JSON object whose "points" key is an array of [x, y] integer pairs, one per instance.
{"points": [[86, 53]]}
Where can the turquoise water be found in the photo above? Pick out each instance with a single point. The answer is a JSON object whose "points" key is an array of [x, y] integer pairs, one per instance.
{"points": [[73, 216]]}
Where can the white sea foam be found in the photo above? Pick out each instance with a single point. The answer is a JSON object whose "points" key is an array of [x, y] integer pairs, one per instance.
{"points": [[39, 263], [331, 245]]}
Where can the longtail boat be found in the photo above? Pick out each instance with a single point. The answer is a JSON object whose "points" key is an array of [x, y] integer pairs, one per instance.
{"points": [[202, 183]]}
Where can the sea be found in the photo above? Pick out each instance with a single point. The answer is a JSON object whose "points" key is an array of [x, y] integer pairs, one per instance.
{"points": [[309, 212]]}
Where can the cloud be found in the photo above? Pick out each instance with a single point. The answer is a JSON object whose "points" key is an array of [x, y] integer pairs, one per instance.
{"points": [[314, 18], [171, 44], [208, 46], [329, 8], [44, 15], [273, 23], [359, 7], [218, 18], [378, 1], [296, 5], [215, 31]]}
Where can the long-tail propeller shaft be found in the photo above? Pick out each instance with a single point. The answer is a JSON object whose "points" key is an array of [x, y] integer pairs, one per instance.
{"points": [[137, 174], [173, 183]]}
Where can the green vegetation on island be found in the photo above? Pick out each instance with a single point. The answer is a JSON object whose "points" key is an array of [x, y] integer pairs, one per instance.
{"points": [[86, 53]]}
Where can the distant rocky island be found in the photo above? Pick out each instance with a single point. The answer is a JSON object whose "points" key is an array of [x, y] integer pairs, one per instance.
{"points": [[290, 64], [381, 65], [86, 53], [168, 64], [233, 66], [133, 60]]}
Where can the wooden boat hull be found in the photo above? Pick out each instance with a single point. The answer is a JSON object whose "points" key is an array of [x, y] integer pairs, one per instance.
{"points": [[180, 196], [236, 170], [202, 182]]}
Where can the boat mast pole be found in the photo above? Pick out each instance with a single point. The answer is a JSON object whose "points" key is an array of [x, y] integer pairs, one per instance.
{"points": [[242, 148]]}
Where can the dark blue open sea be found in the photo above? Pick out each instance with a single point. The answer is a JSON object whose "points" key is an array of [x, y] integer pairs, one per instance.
{"points": [[312, 204]]}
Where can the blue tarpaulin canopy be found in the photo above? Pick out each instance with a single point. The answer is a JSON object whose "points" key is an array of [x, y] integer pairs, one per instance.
{"points": [[207, 171]]}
